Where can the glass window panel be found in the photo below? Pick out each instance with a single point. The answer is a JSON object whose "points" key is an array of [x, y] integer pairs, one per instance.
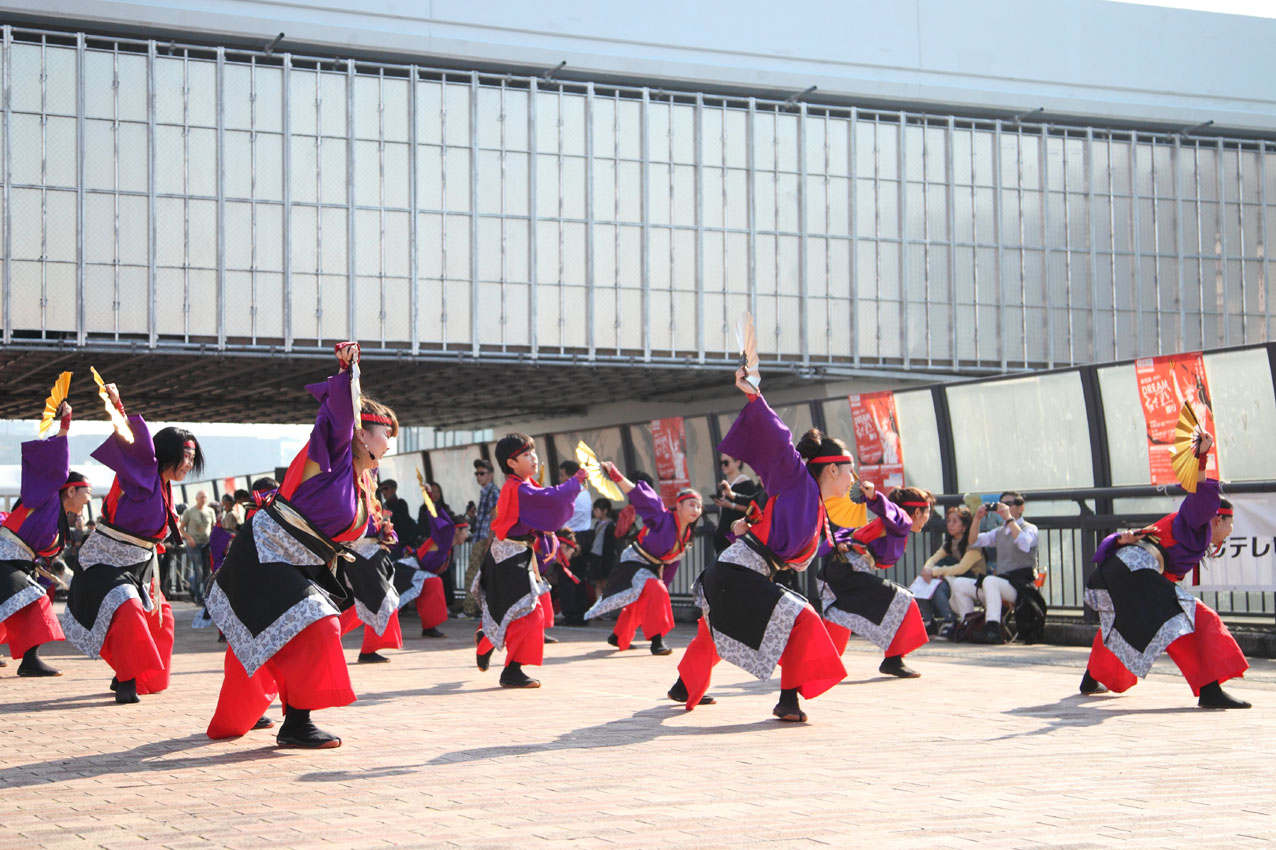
{"points": [[332, 103], [237, 111], [457, 114], [919, 439], [334, 240], [238, 171], [269, 232], [367, 174], [60, 152], [99, 88], [630, 132], [429, 106], [332, 164], [367, 240], [60, 80], [684, 134], [201, 104], [396, 245], [27, 66], [201, 166], [394, 117], [1246, 419], [269, 149], [302, 95], [1042, 404], [99, 155], [304, 161], [239, 235]]}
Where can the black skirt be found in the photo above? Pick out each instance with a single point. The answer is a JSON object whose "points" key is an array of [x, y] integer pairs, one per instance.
{"points": [[114, 567], [507, 587], [856, 596], [624, 584], [1141, 612], [370, 580]]}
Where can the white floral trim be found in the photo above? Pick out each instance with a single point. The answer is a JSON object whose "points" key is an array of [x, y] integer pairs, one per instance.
{"points": [[89, 641], [628, 596], [418, 581], [1140, 662], [12, 548], [740, 554], [100, 548], [365, 547], [882, 634], [381, 619], [202, 620], [761, 662], [277, 546], [526, 605], [251, 651], [24, 597], [503, 550]]}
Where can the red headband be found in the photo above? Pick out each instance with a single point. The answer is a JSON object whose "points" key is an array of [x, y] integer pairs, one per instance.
{"points": [[567, 540], [1224, 511], [524, 450], [830, 459], [189, 444], [68, 485], [914, 504], [376, 419], [686, 496]]}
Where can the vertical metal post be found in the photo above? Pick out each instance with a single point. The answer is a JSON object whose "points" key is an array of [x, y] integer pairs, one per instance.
{"points": [[1156, 247], [381, 276], [79, 190], [877, 229], [901, 175], [1116, 325], [1179, 232], [474, 218], [1094, 283], [1200, 251], [1043, 175], [252, 194], [115, 196], [853, 217], [7, 224], [974, 237], [804, 300], [220, 90], [533, 295], [286, 118], [1266, 289], [1136, 264], [950, 191], [645, 145], [1240, 231], [698, 140], [589, 222], [996, 205], [926, 244], [1221, 286], [1067, 253], [351, 302], [186, 201], [1023, 252], [414, 235], [751, 193]]}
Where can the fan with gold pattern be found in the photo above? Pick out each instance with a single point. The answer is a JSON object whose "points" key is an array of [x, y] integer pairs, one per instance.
{"points": [[54, 401], [1187, 442], [597, 478]]}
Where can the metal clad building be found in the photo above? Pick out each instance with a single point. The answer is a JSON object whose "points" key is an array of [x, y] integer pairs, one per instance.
{"points": [[959, 195]]}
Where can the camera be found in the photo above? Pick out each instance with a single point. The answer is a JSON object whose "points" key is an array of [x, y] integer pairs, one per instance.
{"points": [[991, 507]]}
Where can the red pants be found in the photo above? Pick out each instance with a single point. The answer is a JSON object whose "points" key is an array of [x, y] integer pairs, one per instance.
{"points": [[139, 645], [651, 608], [391, 638], [809, 662], [431, 605], [31, 625], [524, 639], [910, 634], [1208, 654], [307, 672], [546, 604]]}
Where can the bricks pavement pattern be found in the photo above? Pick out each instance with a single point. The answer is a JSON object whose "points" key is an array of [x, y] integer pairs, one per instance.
{"points": [[991, 748]]}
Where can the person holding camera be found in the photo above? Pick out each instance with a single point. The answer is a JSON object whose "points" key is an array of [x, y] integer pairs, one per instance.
{"points": [[736, 491], [1015, 565]]}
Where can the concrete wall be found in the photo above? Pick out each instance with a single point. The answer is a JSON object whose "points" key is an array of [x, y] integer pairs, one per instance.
{"points": [[1093, 58]]}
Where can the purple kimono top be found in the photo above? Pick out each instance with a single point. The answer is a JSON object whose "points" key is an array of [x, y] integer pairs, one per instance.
{"points": [[434, 552], [140, 501], [1189, 528], [759, 438], [538, 513], [45, 467], [887, 537]]}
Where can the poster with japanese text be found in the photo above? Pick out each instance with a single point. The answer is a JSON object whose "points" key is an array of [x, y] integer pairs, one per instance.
{"points": [[670, 443], [1246, 560], [877, 445], [1164, 383]]}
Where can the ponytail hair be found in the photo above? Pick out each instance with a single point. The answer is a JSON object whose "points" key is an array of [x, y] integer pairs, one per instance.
{"points": [[912, 499], [815, 443]]}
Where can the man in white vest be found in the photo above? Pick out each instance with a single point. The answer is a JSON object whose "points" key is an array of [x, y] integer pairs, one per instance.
{"points": [[1016, 563]]}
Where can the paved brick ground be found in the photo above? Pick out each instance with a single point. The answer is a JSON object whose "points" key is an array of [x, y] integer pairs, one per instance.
{"points": [[991, 748]]}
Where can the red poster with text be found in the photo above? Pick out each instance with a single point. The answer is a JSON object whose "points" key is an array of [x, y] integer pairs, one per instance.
{"points": [[670, 443], [1164, 383], [877, 446]]}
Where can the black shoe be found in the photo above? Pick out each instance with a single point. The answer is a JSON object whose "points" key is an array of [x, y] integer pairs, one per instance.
{"points": [[550, 638], [1091, 686], [372, 658], [483, 659], [264, 723], [947, 631], [1213, 696], [115, 684], [126, 692], [658, 646], [3, 663], [613, 640], [33, 665], [894, 665], [992, 634], [432, 632], [299, 731], [514, 677], [678, 693], [788, 709]]}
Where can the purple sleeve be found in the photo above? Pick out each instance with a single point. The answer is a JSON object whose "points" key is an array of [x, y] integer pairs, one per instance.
{"points": [[761, 439], [1197, 509], [45, 466], [547, 508], [1106, 547], [894, 517], [442, 532], [134, 463], [840, 535], [334, 424], [645, 501]]}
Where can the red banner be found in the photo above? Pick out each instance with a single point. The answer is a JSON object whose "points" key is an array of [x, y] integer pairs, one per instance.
{"points": [[670, 441], [228, 485], [877, 444], [1164, 384]]}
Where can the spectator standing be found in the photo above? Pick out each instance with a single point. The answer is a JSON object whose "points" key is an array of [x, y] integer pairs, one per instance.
{"points": [[574, 596], [481, 525], [196, 527], [400, 515], [736, 491]]}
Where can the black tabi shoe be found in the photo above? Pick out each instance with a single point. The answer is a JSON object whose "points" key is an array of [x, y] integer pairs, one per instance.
{"points": [[946, 631], [992, 634], [432, 632], [1213, 696], [550, 638], [126, 692], [893, 665], [33, 665], [658, 646], [514, 677], [788, 709], [613, 640], [482, 659], [299, 731], [264, 723], [1091, 686], [115, 684], [372, 658], [678, 693]]}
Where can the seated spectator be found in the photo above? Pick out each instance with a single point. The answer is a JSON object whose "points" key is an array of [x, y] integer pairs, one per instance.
{"points": [[955, 560], [1016, 563]]}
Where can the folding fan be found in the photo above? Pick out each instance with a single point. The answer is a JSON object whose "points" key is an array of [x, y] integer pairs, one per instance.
{"points": [[112, 413], [1187, 440], [425, 495], [845, 512], [51, 404], [589, 462], [748, 338]]}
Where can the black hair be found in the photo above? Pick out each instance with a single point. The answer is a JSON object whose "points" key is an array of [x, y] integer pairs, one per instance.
{"points": [[571, 467], [480, 463], [437, 486], [510, 445], [964, 540], [243, 496], [1014, 494], [602, 504], [900, 495], [264, 484], [644, 478], [169, 445], [390, 482], [815, 443], [77, 479], [1223, 504]]}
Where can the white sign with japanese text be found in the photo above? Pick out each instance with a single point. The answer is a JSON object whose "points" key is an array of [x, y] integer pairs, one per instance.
{"points": [[1248, 558]]}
